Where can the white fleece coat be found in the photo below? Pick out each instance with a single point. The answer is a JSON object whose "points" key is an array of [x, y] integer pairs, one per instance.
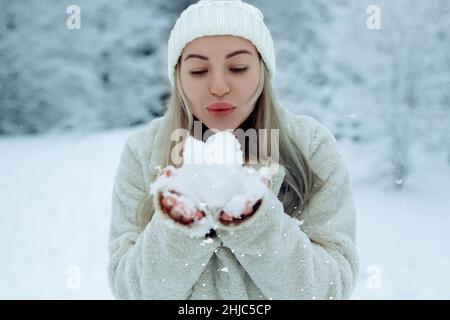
{"points": [[269, 256]]}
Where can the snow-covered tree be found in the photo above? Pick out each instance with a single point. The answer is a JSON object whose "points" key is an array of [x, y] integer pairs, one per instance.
{"points": [[403, 75], [110, 72]]}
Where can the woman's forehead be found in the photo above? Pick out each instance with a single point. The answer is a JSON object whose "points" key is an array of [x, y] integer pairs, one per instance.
{"points": [[218, 45]]}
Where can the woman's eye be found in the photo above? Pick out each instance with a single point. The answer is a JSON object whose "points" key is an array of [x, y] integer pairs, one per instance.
{"points": [[238, 70], [234, 70], [194, 73]]}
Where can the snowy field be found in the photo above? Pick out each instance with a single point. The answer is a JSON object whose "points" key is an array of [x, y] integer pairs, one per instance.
{"points": [[55, 209]]}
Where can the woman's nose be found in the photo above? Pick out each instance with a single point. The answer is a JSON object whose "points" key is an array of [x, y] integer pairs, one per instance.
{"points": [[219, 86]]}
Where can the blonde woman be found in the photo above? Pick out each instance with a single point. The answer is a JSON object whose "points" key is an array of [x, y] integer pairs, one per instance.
{"points": [[296, 242]]}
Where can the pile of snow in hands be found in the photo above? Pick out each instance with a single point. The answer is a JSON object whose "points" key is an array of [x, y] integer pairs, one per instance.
{"points": [[213, 178]]}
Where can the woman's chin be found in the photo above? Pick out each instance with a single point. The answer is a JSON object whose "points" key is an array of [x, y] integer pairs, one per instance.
{"points": [[221, 125]]}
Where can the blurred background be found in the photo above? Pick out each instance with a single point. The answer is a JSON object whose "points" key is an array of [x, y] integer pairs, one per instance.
{"points": [[377, 73]]}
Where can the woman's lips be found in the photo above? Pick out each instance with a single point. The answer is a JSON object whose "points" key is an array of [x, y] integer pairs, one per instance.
{"points": [[220, 112], [220, 109]]}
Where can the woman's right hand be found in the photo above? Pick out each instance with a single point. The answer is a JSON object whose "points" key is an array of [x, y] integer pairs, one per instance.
{"points": [[177, 210], [171, 205]]}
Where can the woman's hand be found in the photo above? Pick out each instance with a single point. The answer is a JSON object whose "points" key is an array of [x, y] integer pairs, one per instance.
{"points": [[177, 210], [242, 205], [251, 207], [172, 204]]}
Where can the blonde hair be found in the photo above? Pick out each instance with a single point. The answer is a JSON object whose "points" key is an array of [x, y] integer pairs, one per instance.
{"points": [[300, 182]]}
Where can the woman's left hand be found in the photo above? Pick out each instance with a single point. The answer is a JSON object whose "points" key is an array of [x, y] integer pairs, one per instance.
{"points": [[250, 209]]}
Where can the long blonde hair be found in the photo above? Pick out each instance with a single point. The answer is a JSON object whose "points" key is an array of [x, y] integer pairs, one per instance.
{"points": [[300, 182]]}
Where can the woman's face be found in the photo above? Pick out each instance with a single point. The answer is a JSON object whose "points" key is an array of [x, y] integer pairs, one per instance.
{"points": [[213, 70]]}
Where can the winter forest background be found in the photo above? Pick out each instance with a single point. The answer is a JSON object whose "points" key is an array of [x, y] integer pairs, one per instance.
{"points": [[69, 98]]}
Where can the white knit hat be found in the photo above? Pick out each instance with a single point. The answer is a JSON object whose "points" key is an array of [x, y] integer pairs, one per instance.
{"points": [[220, 17]]}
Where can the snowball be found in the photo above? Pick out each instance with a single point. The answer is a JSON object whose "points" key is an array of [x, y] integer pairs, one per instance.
{"points": [[220, 148]]}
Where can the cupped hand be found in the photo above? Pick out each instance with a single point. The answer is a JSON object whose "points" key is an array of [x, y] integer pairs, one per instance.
{"points": [[173, 205], [177, 210], [250, 208]]}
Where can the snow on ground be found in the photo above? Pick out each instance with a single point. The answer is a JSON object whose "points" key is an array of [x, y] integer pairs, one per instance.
{"points": [[54, 214], [402, 236], [55, 209]]}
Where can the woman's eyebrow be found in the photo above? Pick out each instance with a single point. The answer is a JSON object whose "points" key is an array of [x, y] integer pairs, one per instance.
{"points": [[193, 55]]}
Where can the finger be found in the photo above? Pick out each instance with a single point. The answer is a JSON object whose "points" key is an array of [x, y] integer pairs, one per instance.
{"points": [[177, 211], [186, 218], [198, 215], [169, 201], [163, 205], [248, 210], [226, 217], [167, 171]]}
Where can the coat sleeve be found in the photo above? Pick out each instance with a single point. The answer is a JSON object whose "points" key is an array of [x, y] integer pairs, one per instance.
{"points": [[313, 257], [156, 261]]}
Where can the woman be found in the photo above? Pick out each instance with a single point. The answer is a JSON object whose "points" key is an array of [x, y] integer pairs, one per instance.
{"points": [[296, 242]]}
